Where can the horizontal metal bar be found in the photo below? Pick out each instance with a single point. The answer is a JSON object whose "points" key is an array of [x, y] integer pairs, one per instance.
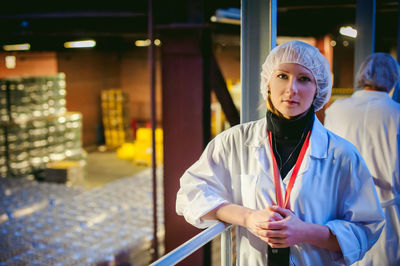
{"points": [[75, 14], [189, 247]]}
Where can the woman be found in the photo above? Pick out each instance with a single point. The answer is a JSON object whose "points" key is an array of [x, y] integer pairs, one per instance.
{"points": [[285, 180]]}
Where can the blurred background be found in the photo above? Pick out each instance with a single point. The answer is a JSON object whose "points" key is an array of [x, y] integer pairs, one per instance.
{"points": [[84, 87]]}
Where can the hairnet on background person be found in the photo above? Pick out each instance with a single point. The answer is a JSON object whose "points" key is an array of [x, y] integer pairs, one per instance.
{"points": [[303, 54], [378, 70]]}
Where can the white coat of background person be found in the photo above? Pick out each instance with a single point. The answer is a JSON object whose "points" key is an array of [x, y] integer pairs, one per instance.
{"points": [[333, 215], [370, 119]]}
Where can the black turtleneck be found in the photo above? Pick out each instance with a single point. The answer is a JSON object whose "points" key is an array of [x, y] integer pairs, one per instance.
{"points": [[288, 136]]}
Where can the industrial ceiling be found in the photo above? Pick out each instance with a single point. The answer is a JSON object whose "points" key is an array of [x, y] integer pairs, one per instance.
{"points": [[115, 23]]}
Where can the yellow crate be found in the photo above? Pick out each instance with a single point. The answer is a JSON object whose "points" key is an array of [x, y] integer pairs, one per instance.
{"points": [[143, 151], [144, 134], [126, 151]]}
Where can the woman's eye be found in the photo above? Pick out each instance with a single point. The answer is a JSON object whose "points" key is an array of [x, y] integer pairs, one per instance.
{"points": [[304, 78], [282, 76]]}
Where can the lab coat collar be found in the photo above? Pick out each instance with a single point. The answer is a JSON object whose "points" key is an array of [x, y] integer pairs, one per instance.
{"points": [[259, 135], [374, 94], [318, 138]]}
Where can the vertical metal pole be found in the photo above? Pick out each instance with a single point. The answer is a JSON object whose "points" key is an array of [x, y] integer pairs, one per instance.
{"points": [[258, 37], [271, 25], [396, 93], [365, 41], [153, 127], [182, 50], [6, 129], [226, 247]]}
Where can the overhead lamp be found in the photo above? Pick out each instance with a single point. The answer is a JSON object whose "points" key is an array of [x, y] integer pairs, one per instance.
{"points": [[142, 43], [157, 42], [348, 31], [227, 16], [80, 44], [225, 20], [11, 61], [17, 47], [147, 42]]}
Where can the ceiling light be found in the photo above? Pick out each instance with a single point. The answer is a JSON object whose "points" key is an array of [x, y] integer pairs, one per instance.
{"points": [[11, 62], [157, 42], [142, 43], [232, 13], [228, 16], [225, 20], [348, 31], [147, 42], [17, 47], [80, 44]]}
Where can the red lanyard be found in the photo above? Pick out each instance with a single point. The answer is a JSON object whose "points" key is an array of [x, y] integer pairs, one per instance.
{"points": [[277, 179]]}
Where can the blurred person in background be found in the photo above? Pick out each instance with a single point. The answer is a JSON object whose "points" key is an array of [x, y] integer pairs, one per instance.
{"points": [[299, 194], [370, 119]]}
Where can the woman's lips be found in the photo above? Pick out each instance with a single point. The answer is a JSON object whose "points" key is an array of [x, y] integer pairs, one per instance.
{"points": [[290, 102]]}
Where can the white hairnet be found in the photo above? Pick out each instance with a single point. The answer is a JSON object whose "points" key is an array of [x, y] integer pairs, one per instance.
{"points": [[378, 70], [303, 54]]}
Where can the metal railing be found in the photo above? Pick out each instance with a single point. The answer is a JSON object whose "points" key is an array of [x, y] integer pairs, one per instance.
{"points": [[200, 240]]}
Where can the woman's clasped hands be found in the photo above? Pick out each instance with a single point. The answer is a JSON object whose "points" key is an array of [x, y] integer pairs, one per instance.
{"points": [[277, 226]]}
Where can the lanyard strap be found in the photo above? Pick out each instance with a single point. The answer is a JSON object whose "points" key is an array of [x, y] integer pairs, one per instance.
{"points": [[277, 179]]}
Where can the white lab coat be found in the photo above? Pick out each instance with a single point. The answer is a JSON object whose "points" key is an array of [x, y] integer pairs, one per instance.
{"points": [[371, 121], [333, 188]]}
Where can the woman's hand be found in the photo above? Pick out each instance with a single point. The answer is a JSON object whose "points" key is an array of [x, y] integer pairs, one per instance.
{"points": [[281, 233], [243, 216], [291, 230], [257, 217], [277, 226]]}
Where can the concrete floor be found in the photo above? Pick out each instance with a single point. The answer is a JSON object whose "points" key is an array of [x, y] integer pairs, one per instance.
{"points": [[104, 166]]}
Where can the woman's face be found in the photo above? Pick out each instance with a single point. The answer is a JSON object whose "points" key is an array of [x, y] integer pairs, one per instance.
{"points": [[292, 89]]}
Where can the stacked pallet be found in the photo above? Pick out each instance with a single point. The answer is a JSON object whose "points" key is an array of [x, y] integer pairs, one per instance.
{"points": [[115, 115], [35, 127]]}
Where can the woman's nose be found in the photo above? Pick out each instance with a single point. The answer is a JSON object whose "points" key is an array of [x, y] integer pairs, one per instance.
{"points": [[292, 88]]}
